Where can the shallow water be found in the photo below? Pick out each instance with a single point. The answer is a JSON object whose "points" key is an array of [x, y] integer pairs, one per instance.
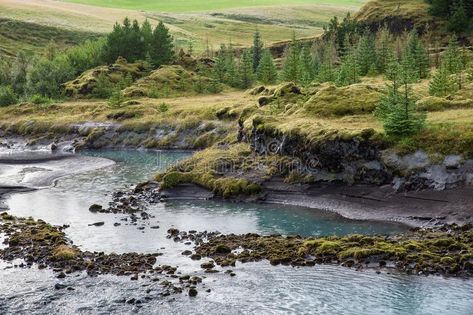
{"points": [[257, 288]]}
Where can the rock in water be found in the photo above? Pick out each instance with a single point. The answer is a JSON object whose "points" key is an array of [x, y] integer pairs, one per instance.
{"points": [[95, 208], [193, 292], [97, 224]]}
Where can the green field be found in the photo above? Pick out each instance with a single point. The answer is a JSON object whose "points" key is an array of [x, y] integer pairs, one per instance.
{"points": [[176, 6]]}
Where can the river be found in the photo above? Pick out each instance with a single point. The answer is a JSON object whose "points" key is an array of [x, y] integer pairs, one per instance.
{"points": [[257, 287]]}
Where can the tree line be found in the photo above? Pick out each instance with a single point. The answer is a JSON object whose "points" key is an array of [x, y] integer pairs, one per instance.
{"points": [[458, 12]]}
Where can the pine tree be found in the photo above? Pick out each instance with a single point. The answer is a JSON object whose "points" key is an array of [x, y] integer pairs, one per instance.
{"points": [[231, 73], [349, 72], [452, 59], [453, 62], [409, 70], [442, 84], [257, 50], [327, 72], [146, 36], [219, 69], [397, 109], [136, 41], [305, 65], [315, 66], [365, 54], [458, 21], [267, 73], [417, 55], [291, 66], [162, 48], [245, 70], [384, 50]]}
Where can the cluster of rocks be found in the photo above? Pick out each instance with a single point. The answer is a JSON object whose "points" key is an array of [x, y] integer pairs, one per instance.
{"points": [[447, 250], [37, 242], [132, 202]]}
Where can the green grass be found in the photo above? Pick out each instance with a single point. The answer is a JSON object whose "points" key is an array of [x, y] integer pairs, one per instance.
{"points": [[16, 35], [180, 6]]}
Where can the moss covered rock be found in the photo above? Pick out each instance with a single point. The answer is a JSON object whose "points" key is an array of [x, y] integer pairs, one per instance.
{"points": [[355, 99], [84, 84], [169, 81]]}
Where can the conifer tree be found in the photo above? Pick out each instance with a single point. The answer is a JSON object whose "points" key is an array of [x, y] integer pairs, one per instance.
{"points": [[442, 84], [136, 42], [257, 50], [397, 109], [327, 71], [291, 66], [384, 50], [417, 55], [315, 66], [267, 73], [231, 73], [458, 21], [245, 70], [349, 72], [307, 74], [453, 62], [162, 48], [452, 59], [146, 36], [365, 54], [219, 68], [409, 70]]}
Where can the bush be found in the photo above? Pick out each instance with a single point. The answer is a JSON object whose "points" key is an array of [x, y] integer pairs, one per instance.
{"points": [[47, 76], [40, 99], [116, 99], [103, 87], [163, 107], [7, 96]]}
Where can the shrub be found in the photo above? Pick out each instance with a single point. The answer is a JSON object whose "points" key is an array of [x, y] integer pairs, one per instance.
{"points": [[47, 76], [7, 96], [116, 99], [39, 99], [163, 107]]}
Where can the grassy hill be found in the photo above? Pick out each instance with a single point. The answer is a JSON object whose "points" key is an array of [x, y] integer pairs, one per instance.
{"points": [[181, 6], [201, 23], [18, 35]]}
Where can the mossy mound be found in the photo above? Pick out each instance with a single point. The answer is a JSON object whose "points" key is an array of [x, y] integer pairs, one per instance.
{"points": [[285, 93], [433, 103], [170, 81], [355, 99], [219, 169], [190, 63], [446, 251], [84, 85]]}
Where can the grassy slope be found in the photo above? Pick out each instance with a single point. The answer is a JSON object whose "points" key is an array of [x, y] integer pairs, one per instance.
{"points": [[18, 35], [235, 22], [182, 6]]}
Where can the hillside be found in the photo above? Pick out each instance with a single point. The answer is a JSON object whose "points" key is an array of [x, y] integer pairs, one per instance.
{"points": [[18, 35], [223, 21]]}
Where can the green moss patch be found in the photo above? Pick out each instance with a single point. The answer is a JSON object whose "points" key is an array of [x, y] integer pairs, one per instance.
{"points": [[355, 99], [170, 81], [84, 85], [447, 251]]}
